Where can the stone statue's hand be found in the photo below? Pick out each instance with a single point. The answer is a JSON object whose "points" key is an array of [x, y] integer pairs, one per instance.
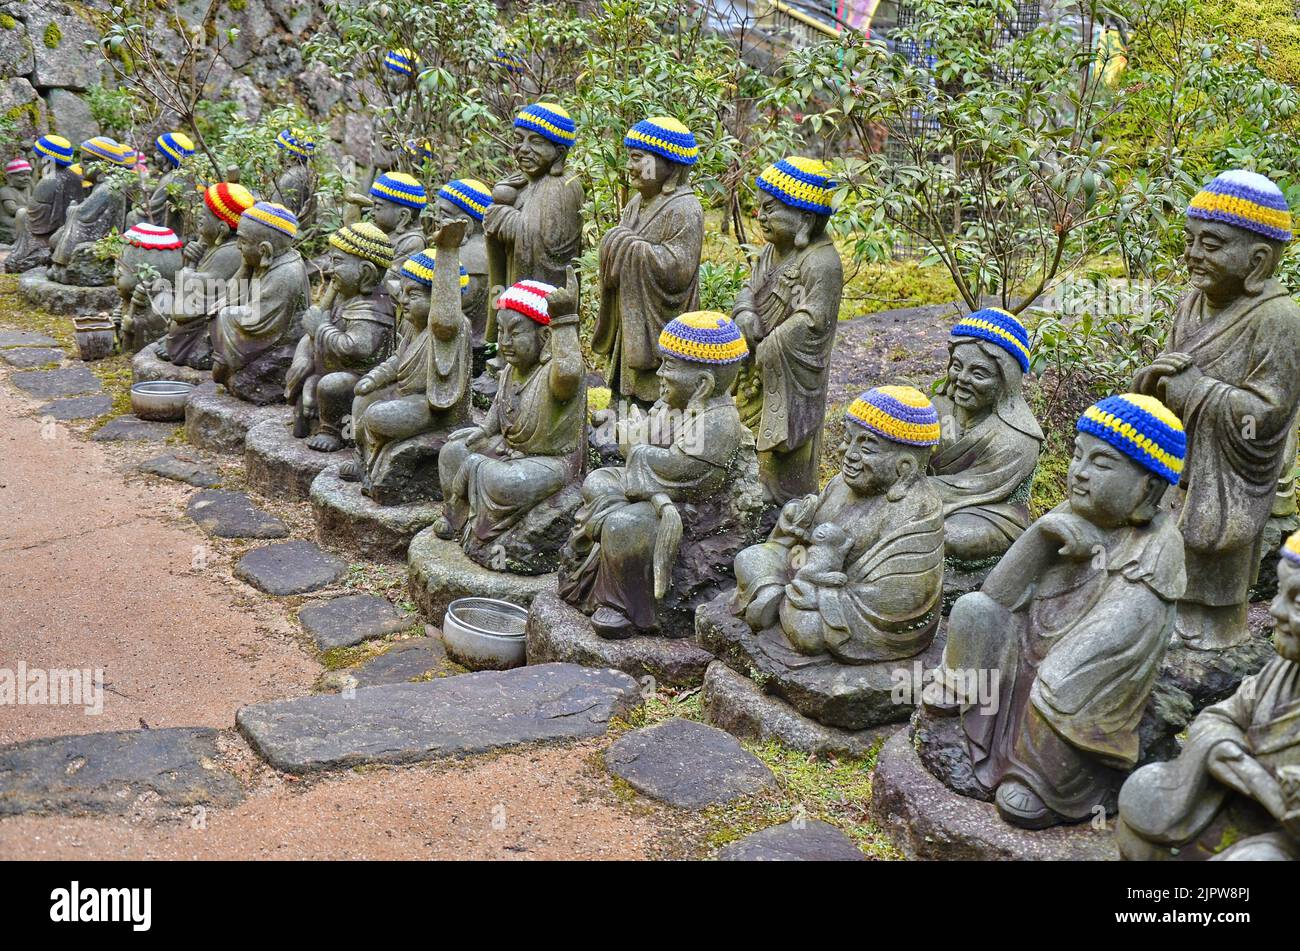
{"points": [[191, 253], [748, 323], [142, 296], [1079, 538], [475, 438], [365, 386], [312, 318], [1175, 389], [1233, 766], [451, 234]]}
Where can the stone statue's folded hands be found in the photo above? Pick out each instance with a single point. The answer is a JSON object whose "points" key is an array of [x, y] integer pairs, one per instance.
{"points": [[1237, 769], [365, 386], [1079, 538]]}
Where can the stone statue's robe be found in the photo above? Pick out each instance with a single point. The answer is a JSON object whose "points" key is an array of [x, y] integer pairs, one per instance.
{"points": [[106, 209], [188, 341], [160, 208], [11, 201], [295, 188], [781, 392], [650, 273], [274, 319], [45, 213]]}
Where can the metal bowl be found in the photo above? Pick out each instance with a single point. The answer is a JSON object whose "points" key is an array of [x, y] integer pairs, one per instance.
{"points": [[485, 634], [160, 400]]}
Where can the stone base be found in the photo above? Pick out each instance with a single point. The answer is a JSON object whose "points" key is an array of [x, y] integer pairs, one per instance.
{"points": [[532, 545], [36, 288], [282, 467], [217, 421], [737, 705], [557, 631], [438, 573], [849, 697], [147, 367], [927, 820], [407, 471], [348, 520]]}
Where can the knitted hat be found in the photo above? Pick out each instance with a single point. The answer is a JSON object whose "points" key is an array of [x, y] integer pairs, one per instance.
{"points": [[901, 414], [513, 62], [549, 120], [997, 326], [1142, 428], [703, 336], [422, 149], [55, 147], [800, 183], [419, 267], [152, 237], [469, 194], [1291, 548], [273, 216], [401, 189], [228, 201], [101, 146], [528, 298], [664, 136], [365, 241], [1245, 200], [293, 140], [77, 170], [174, 146], [402, 61], [18, 165]]}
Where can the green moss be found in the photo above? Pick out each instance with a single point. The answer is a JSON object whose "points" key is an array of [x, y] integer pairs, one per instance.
{"points": [[7, 22], [115, 376], [1048, 490], [238, 5], [19, 315], [53, 36], [1268, 23]]}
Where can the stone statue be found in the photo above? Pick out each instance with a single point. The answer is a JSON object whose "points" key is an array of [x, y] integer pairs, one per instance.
{"points": [[46, 210], [788, 313], [74, 261], [397, 202], [985, 460], [1231, 371], [164, 207], [650, 260], [637, 533], [295, 187], [13, 196], [146, 277], [469, 196], [259, 323], [534, 224], [856, 571], [504, 482], [1074, 622], [212, 260], [343, 342], [1233, 793]]}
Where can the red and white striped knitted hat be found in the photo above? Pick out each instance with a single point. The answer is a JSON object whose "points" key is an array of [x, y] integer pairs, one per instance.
{"points": [[529, 298], [152, 237], [18, 165]]}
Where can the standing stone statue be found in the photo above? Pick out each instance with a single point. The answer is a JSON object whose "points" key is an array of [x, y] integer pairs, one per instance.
{"points": [[258, 325], [1074, 622], [165, 207], [650, 260], [1231, 371], [107, 209], [788, 313], [985, 460], [1233, 793], [46, 210], [146, 276], [295, 187], [469, 196], [13, 196]]}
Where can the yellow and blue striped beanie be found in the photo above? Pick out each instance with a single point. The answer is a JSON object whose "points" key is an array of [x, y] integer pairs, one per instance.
{"points": [[999, 327], [1244, 200], [549, 120], [901, 414], [468, 194], [274, 216], [401, 189], [295, 141], [1291, 549], [174, 146], [703, 336], [55, 147], [664, 136], [800, 183], [1143, 429], [419, 267], [110, 150], [402, 61], [365, 241]]}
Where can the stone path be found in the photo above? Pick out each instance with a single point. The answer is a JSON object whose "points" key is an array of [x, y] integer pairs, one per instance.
{"points": [[687, 764], [293, 567], [350, 620], [232, 515]]}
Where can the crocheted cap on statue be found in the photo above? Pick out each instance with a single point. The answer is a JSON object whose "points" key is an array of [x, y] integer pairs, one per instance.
{"points": [[400, 188], [365, 241], [174, 146], [901, 414], [1245, 200], [152, 237], [228, 201], [799, 182], [512, 61], [1000, 327], [419, 267], [18, 165], [111, 151], [293, 140], [703, 336], [402, 61], [548, 120], [273, 216], [422, 149], [468, 194], [55, 147], [1291, 548], [528, 298], [664, 136], [1142, 428]]}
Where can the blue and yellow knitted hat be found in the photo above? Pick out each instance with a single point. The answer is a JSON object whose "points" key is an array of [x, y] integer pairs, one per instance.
{"points": [[664, 136], [901, 414], [110, 150], [512, 61], [1244, 200], [419, 267], [174, 146], [548, 120], [799, 182], [402, 61], [401, 189], [365, 241], [420, 149], [1142, 428], [703, 336], [293, 140], [55, 147], [468, 194], [1291, 548], [274, 216], [1000, 327]]}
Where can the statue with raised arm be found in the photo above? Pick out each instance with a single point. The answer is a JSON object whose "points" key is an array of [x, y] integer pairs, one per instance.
{"points": [[457, 199], [44, 213]]}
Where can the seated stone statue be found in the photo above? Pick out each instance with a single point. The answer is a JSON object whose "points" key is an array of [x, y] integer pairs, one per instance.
{"points": [[1233, 793], [258, 325], [405, 408], [295, 186], [623, 555], [146, 276], [1074, 621], [13, 196], [468, 196], [509, 485], [343, 342], [856, 571], [985, 460], [212, 259], [73, 260], [165, 205], [36, 223]]}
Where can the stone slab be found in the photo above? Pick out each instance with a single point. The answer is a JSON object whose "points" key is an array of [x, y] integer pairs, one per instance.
{"points": [[557, 631], [406, 661], [808, 841], [347, 519], [292, 567], [687, 764], [105, 773], [439, 572], [180, 468], [77, 407], [735, 703], [217, 421], [65, 381], [351, 619], [926, 820], [282, 467], [228, 514], [134, 429], [55, 298], [146, 367], [24, 338], [452, 716], [24, 358]]}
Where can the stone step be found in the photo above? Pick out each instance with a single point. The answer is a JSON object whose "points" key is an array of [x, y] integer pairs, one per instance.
{"points": [[65, 381], [348, 520], [809, 840], [292, 567], [280, 466], [232, 515], [24, 358], [351, 619], [217, 421]]}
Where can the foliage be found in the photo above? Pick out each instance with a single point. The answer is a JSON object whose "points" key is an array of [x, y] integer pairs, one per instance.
{"points": [[117, 111], [720, 284], [108, 247], [13, 136]]}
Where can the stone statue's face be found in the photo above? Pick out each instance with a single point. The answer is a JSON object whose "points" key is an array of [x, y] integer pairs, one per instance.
{"points": [[19, 180], [347, 271], [255, 240], [647, 172], [678, 381], [211, 228], [520, 339], [976, 380], [1218, 257], [870, 464], [778, 221], [413, 298], [1285, 609], [1105, 486], [125, 276], [444, 211], [389, 217], [535, 153]]}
